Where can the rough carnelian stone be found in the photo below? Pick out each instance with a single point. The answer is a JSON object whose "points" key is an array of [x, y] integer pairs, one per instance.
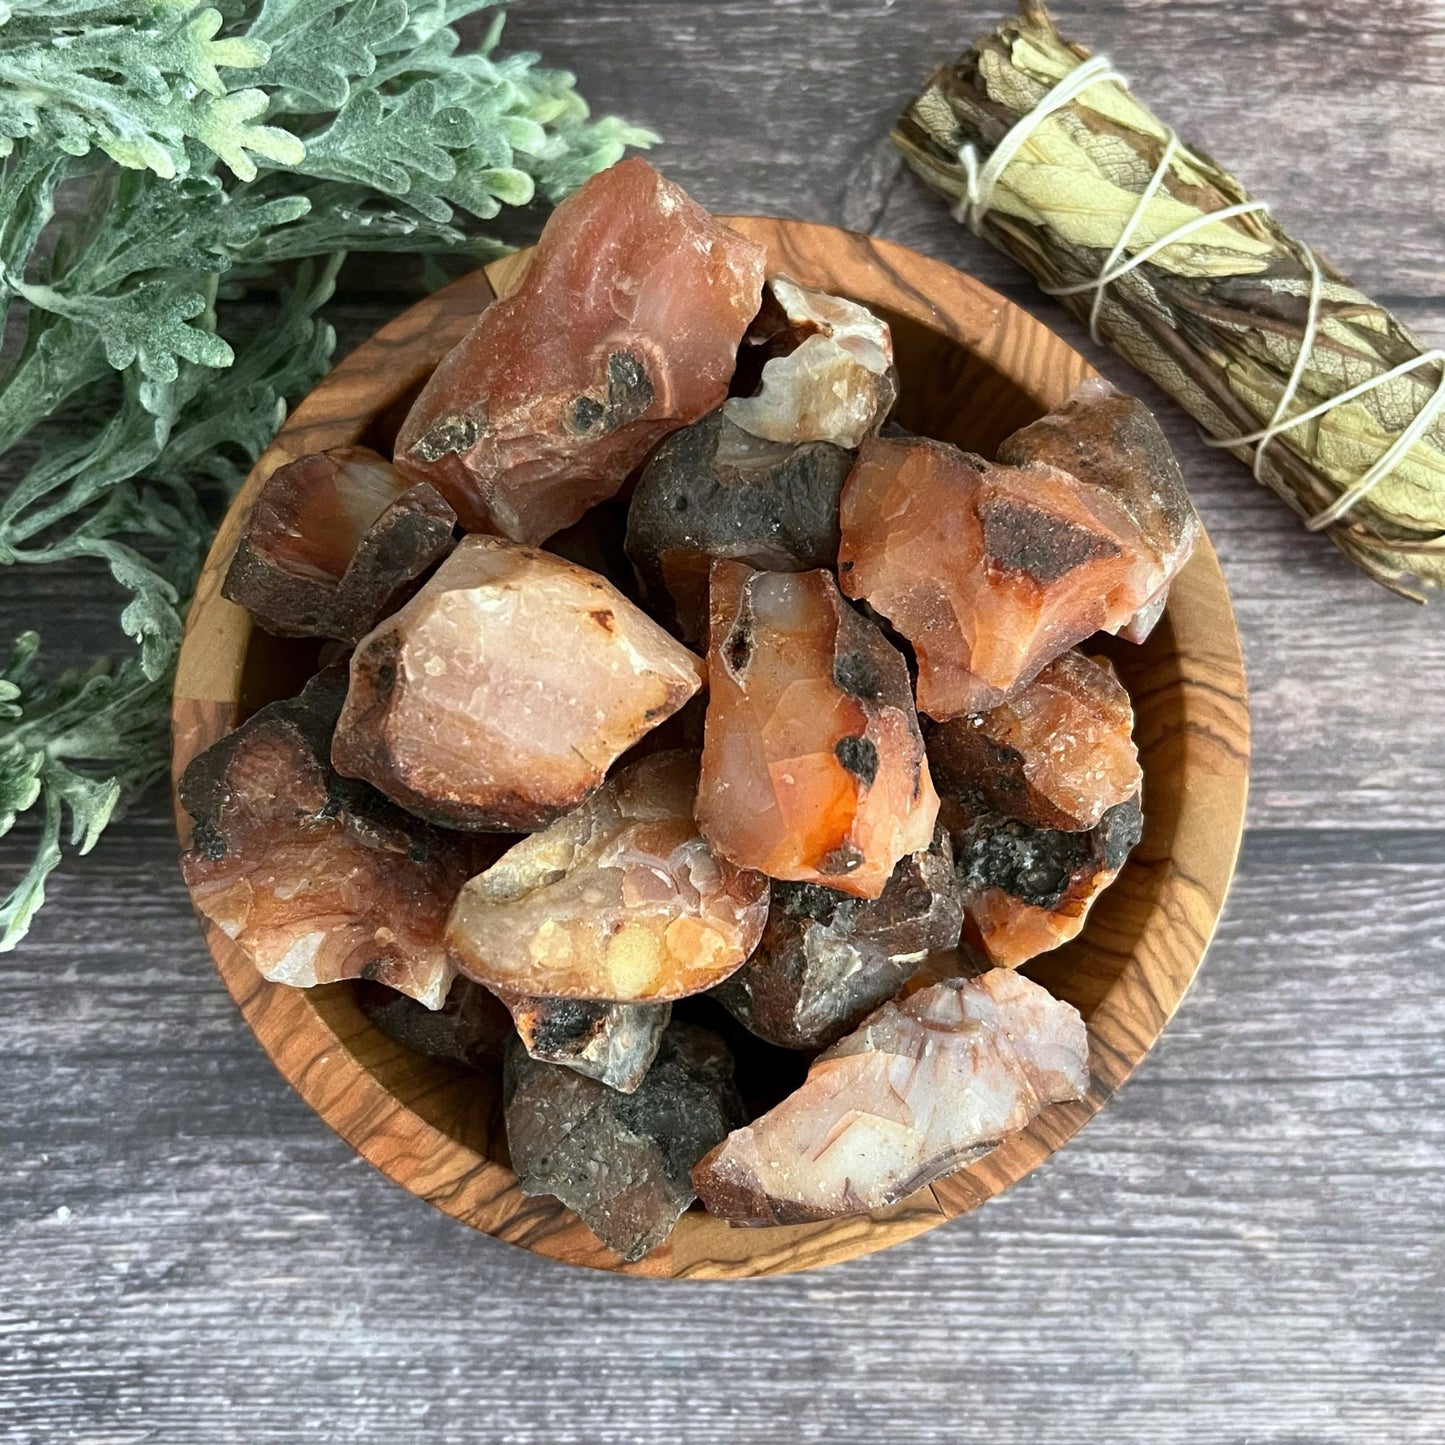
{"points": [[624, 327], [499, 696], [990, 572], [621, 900], [1026, 890], [926, 1085], [813, 765], [317, 877], [1057, 755], [1111, 440], [332, 542], [829, 373]]}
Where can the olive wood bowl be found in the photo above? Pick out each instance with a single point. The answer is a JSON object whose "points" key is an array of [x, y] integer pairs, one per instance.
{"points": [[973, 368]]}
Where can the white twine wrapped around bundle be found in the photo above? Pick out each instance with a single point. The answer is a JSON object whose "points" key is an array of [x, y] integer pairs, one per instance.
{"points": [[982, 178]]}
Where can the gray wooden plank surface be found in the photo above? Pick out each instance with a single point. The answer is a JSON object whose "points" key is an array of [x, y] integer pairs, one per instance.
{"points": [[1246, 1246]]}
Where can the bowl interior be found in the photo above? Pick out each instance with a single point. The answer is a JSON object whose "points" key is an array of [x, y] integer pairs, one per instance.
{"points": [[973, 368]]}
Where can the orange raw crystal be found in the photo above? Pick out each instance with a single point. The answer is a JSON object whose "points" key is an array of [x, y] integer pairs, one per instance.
{"points": [[499, 696], [1057, 755], [989, 571], [927, 1085], [1111, 440], [620, 900], [1027, 890], [314, 876], [624, 327], [813, 767], [332, 541]]}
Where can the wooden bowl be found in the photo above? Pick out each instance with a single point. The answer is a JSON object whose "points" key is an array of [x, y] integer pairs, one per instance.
{"points": [[974, 367]]}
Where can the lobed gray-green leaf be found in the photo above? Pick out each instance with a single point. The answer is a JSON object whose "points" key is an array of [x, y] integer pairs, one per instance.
{"points": [[214, 152]]}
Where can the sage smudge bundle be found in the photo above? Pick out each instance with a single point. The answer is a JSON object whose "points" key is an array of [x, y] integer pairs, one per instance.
{"points": [[1337, 406]]}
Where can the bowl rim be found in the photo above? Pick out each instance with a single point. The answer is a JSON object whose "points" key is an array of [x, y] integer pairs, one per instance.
{"points": [[331, 1058]]}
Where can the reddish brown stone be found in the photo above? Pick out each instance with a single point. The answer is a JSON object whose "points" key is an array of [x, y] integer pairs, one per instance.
{"points": [[813, 766], [314, 876], [621, 900], [332, 542], [1058, 755], [829, 375], [988, 571], [1027, 890], [926, 1086], [713, 490], [624, 327], [614, 1043], [499, 696], [1110, 440], [827, 959]]}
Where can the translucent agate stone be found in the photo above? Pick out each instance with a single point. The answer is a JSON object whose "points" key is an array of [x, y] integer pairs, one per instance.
{"points": [[621, 1162], [614, 1043], [623, 328], [990, 572], [713, 490], [332, 542], [829, 376], [314, 876], [813, 767], [1059, 754], [1026, 890], [926, 1086], [499, 696], [620, 900], [1110, 440], [828, 959]]}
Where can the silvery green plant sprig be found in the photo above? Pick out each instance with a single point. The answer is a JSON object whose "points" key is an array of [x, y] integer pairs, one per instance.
{"points": [[159, 160]]}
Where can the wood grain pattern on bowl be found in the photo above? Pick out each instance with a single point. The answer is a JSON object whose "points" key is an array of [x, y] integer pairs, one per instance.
{"points": [[974, 367]]}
